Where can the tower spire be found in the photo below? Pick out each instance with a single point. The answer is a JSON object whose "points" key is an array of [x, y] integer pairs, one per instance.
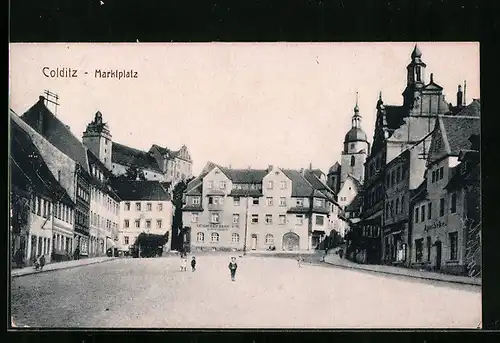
{"points": [[356, 108], [356, 118]]}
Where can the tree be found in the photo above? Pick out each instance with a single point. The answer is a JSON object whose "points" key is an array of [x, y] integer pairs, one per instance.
{"points": [[178, 201], [150, 245], [133, 173]]}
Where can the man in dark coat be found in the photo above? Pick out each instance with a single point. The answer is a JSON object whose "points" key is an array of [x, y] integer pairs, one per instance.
{"points": [[232, 267]]}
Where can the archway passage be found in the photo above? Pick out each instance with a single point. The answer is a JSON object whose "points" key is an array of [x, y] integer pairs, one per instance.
{"points": [[291, 241], [254, 242]]}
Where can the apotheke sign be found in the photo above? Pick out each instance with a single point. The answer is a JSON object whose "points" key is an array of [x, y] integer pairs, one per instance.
{"points": [[435, 225], [214, 226]]}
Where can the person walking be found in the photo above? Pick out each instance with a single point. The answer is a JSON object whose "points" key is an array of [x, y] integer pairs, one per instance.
{"points": [[232, 267], [42, 261], [341, 253], [299, 261], [193, 264]]}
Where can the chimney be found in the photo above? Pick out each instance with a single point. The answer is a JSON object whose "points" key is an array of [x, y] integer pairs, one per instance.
{"points": [[270, 167], [460, 96], [310, 166], [302, 171], [41, 98], [465, 90], [68, 127]]}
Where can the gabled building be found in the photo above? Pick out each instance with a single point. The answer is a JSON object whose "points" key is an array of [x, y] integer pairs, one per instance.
{"points": [[124, 157], [66, 158], [145, 206], [445, 226], [176, 165], [40, 207], [270, 207]]}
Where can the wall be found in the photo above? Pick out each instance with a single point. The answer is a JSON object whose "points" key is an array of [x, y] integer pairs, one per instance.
{"points": [[119, 169], [347, 191]]}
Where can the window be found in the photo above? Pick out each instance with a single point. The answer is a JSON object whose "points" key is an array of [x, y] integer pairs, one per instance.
{"points": [[148, 224], [429, 210], [402, 174], [299, 219], [283, 184], [210, 184], [255, 201], [398, 174], [282, 218], [235, 238], [300, 202], [397, 206], [125, 240], [320, 220], [137, 206], [270, 185], [255, 218], [222, 185], [429, 247], [236, 201], [194, 217], [433, 176], [196, 200], [353, 161], [221, 200], [126, 223], [388, 180], [214, 237], [282, 201], [403, 204], [453, 246], [236, 219], [200, 237], [418, 249], [392, 208], [319, 202], [440, 173], [441, 207], [269, 239], [453, 205], [393, 177], [416, 215], [269, 219], [149, 207], [387, 209], [269, 201], [422, 213], [214, 217], [137, 223], [160, 207], [159, 223]]}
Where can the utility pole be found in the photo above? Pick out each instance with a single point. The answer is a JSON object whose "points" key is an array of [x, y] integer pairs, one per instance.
{"points": [[54, 96], [246, 227]]}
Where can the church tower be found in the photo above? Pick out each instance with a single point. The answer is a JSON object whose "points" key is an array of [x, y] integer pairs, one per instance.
{"points": [[415, 79], [97, 138], [356, 148]]}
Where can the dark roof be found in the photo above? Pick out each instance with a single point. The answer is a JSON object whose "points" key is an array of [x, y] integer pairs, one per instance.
{"points": [[245, 192], [192, 208], [42, 120], [334, 169], [471, 110], [140, 190], [355, 134], [300, 186], [394, 116], [194, 190], [195, 185], [29, 170], [321, 189], [244, 175], [317, 172], [458, 130], [127, 156], [298, 210], [459, 179], [355, 204], [102, 185], [419, 193], [166, 151]]}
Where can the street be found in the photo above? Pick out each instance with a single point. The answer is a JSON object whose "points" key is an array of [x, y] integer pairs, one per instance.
{"points": [[268, 293]]}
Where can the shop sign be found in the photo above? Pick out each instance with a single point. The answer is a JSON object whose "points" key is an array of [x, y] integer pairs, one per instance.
{"points": [[214, 226], [436, 225]]}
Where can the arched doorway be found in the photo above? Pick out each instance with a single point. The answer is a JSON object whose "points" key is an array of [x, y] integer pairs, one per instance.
{"points": [[254, 242], [291, 241]]}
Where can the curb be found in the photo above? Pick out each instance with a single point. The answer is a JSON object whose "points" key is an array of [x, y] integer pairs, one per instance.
{"points": [[62, 268], [405, 275]]}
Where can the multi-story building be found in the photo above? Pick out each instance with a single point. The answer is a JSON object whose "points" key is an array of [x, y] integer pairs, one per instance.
{"points": [[396, 129], [104, 206], [176, 165], [40, 206], [145, 207], [66, 158], [257, 209], [444, 225]]}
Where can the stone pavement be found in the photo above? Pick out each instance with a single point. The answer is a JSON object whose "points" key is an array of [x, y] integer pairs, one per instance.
{"points": [[60, 265], [334, 259]]}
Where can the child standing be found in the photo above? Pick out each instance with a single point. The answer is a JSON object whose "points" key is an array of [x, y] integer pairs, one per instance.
{"points": [[193, 264], [299, 261], [183, 263], [232, 267]]}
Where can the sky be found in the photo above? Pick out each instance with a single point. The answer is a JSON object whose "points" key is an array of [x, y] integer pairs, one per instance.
{"points": [[238, 105]]}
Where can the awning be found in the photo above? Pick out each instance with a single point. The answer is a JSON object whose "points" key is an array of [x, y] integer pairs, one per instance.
{"points": [[110, 243], [396, 232]]}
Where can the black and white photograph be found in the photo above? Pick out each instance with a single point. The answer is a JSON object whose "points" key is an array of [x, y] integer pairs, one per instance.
{"points": [[245, 185]]}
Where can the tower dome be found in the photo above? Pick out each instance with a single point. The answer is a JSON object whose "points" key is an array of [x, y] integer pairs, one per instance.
{"points": [[355, 134]]}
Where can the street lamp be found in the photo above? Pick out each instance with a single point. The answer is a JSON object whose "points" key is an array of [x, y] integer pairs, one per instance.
{"points": [[246, 227]]}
